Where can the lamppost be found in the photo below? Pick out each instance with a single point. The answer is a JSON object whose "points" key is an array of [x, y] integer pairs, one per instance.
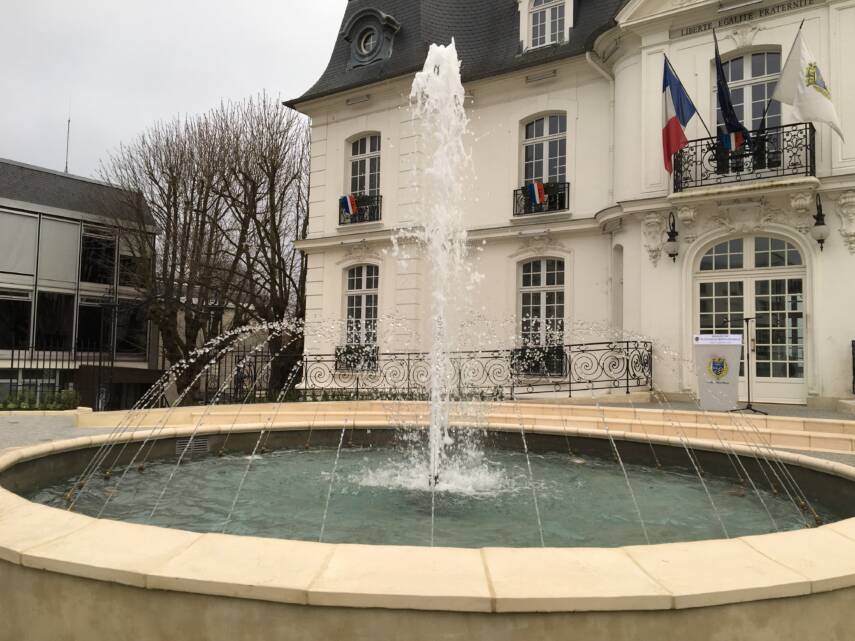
{"points": [[672, 245], [819, 231]]}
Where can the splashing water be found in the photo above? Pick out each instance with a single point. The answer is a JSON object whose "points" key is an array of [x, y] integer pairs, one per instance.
{"points": [[437, 99]]}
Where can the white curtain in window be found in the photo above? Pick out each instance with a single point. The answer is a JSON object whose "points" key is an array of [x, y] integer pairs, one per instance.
{"points": [[18, 243], [58, 252]]}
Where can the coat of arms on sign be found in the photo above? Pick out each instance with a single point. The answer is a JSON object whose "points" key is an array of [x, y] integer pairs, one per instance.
{"points": [[718, 368]]}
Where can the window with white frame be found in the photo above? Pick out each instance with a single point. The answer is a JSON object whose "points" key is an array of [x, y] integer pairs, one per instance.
{"points": [[542, 302], [365, 165], [546, 20], [363, 282], [545, 149], [752, 78]]}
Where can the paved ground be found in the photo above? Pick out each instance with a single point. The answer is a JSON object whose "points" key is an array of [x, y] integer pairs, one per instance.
{"points": [[18, 431]]}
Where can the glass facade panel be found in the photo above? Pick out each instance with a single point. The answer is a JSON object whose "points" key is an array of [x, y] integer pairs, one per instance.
{"points": [[97, 259], [15, 312], [54, 321], [131, 328]]}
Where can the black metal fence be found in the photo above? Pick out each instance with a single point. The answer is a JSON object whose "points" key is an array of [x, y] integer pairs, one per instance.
{"points": [[570, 369], [52, 379], [853, 367], [789, 150], [252, 374], [45, 379], [556, 198]]}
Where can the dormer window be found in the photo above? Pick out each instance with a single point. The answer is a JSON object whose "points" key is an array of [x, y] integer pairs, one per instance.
{"points": [[547, 22], [371, 34]]}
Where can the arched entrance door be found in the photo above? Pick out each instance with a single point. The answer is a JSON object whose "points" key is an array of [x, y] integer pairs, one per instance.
{"points": [[762, 278]]}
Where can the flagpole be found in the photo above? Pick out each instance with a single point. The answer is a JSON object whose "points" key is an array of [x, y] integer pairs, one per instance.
{"points": [[676, 75], [769, 103]]}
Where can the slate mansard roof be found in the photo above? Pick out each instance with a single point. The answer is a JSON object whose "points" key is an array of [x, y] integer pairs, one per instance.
{"points": [[46, 187], [486, 33]]}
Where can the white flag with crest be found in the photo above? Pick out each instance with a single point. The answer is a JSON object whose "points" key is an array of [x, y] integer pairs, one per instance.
{"points": [[803, 87]]}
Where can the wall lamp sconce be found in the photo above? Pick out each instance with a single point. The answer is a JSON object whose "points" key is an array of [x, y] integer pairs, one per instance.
{"points": [[820, 231], [672, 245]]}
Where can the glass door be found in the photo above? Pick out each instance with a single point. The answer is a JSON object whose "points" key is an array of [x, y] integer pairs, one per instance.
{"points": [[761, 278], [776, 336], [778, 341]]}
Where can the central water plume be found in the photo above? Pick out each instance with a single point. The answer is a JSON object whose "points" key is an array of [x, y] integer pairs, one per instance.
{"points": [[438, 98]]}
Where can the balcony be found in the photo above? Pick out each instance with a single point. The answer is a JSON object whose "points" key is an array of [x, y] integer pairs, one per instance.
{"points": [[368, 210], [557, 199], [789, 150]]}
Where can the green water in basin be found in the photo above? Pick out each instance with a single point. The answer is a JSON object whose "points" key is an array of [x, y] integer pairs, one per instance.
{"points": [[381, 496]]}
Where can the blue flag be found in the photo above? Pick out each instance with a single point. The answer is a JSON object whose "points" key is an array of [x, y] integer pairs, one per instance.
{"points": [[734, 130]]}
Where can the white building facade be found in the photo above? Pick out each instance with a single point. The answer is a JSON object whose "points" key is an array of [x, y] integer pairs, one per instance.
{"points": [[568, 93]]}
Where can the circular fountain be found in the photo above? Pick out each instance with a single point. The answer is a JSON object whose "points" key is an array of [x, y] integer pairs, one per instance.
{"points": [[487, 572], [446, 519]]}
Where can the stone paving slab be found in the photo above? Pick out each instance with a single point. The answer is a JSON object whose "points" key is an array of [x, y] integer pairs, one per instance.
{"points": [[20, 431]]}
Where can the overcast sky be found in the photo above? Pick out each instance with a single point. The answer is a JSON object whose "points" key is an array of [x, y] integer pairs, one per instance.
{"points": [[123, 64]]}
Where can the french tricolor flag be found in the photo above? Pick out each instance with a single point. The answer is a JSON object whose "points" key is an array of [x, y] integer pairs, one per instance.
{"points": [[348, 205], [732, 142], [536, 193], [677, 110]]}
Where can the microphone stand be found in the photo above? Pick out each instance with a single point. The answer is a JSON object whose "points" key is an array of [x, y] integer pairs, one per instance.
{"points": [[748, 407]]}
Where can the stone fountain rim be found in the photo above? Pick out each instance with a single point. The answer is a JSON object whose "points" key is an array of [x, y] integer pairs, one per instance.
{"points": [[671, 576]]}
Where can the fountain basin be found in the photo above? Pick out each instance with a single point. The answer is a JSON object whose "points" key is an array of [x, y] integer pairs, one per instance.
{"points": [[149, 582]]}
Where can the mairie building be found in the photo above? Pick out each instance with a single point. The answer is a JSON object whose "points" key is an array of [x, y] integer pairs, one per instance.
{"points": [[568, 94]]}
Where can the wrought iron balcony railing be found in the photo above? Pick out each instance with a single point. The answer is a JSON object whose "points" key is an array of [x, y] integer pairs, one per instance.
{"points": [[789, 150], [547, 361], [356, 358], [368, 210], [557, 199], [360, 371]]}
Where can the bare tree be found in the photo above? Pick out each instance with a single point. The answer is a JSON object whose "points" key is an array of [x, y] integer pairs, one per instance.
{"points": [[264, 188], [228, 192]]}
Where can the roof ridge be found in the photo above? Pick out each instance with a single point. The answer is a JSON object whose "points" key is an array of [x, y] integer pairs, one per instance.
{"points": [[56, 172]]}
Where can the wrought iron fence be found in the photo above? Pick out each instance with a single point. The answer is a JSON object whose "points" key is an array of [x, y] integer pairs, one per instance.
{"points": [[853, 367], [789, 150], [356, 358], [557, 198], [570, 369], [45, 378], [369, 209]]}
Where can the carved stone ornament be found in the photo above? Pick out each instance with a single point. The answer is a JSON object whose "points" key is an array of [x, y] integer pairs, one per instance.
{"points": [[743, 37], [541, 243], [360, 251], [846, 212], [801, 203], [654, 229], [688, 216]]}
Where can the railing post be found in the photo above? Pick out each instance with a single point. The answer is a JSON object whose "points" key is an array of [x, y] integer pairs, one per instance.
{"points": [[357, 387], [628, 361], [650, 362], [569, 350], [409, 391], [812, 149]]}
